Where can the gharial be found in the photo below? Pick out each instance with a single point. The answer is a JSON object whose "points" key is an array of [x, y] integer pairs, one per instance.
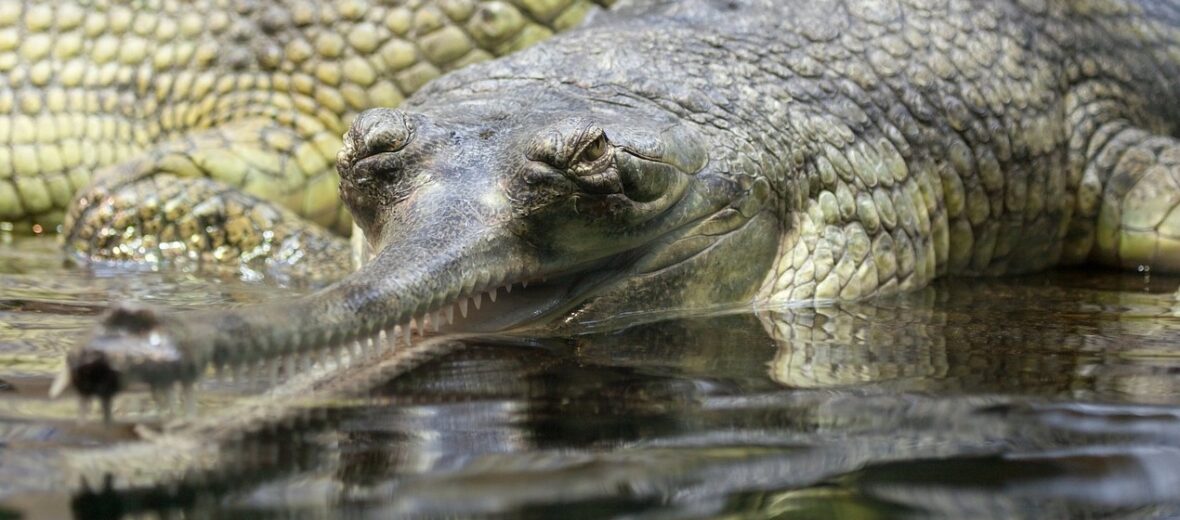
{"points": [[708, 152], [204, 131]]}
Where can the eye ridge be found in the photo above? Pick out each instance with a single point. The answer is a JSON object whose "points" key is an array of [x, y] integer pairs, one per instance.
{"points": [[577, 153]]}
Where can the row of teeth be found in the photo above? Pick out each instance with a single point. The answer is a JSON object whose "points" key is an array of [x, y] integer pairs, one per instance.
{"points": [[173, 397], [433, 320]]}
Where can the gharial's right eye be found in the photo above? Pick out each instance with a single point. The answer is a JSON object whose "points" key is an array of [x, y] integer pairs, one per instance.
{"points": [[574, 145]]}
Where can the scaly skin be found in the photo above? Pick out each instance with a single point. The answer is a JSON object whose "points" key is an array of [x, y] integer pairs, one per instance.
{"points": [[206, 129], [800, 151]]}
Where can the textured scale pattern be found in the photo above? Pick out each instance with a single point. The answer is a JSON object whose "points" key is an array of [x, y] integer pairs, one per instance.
{"points": [[250, 95], [907, 139], [863, 146]]}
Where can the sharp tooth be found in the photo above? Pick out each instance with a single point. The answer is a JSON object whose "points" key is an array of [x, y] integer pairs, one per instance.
{"points": [[450, 314], [436, 321], [508, 288], [83, 408], [188, 400], [524, 284], [477, 299], [380, 344], [146, 432], [174, 399], [463, 307], [160, 396], [422, 329], [413, 326], [60, 382], [492, 293], [107, 402], [406, 333]]}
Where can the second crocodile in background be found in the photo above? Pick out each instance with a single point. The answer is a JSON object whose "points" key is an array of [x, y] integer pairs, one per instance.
{"points": [[703, 153]]}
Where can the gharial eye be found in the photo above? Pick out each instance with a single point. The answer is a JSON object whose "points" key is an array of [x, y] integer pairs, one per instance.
{"points": [[593, 151]]}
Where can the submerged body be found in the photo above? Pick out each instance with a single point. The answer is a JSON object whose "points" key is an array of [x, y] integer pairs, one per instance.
{"points": [[206, 130], [795, 151]]}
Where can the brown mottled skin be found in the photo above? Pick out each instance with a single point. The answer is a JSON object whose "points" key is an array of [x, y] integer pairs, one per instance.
{"points": [[660, 159], [205, 130]]}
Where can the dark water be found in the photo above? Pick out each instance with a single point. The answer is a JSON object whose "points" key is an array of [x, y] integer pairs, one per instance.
{"points": [[1049, 396]]}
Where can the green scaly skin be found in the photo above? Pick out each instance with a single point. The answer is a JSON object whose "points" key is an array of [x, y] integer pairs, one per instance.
{"points": [[205, 130], [657, 159]]}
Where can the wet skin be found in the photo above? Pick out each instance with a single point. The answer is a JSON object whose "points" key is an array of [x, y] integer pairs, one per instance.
{"points": [[798, 152]]}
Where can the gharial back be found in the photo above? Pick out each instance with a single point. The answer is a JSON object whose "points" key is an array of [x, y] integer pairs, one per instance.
{"points": [[87, 85], [904, 139]]}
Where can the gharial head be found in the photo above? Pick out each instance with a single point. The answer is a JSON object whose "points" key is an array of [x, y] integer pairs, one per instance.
{"points": [[600, 208], [593, 209]]}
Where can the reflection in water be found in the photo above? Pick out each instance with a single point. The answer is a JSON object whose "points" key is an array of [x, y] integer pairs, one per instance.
{"points": [[1038, 397], [993, 336]]}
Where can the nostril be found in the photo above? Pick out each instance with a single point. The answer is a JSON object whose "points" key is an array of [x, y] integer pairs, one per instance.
{"points": [[92, 375]]}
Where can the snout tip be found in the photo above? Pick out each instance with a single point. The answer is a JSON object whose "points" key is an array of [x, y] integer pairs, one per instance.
{"points": [[91, 374]]}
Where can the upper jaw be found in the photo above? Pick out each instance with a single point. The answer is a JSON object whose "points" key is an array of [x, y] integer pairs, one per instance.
{"points": [[527, 302]]}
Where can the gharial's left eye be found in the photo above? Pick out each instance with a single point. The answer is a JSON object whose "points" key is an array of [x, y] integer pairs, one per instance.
{"points": [[594, 150]]}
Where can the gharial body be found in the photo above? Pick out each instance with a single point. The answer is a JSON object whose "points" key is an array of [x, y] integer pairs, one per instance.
{"points": [[205, 130], [701, 153]]}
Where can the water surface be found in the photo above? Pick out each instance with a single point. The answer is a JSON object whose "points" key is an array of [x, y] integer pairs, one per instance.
{"points": [[1046, 396]]}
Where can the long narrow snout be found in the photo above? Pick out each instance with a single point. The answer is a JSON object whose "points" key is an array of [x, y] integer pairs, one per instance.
{"points": [[439, 259], [419, 285]]}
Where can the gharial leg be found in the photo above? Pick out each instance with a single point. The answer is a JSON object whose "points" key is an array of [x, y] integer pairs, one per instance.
{"points": [[250, 195], [1128, 209]]}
